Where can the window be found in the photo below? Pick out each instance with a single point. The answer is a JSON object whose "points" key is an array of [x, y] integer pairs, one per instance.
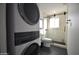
{"points": [[41, 24], [54, 22], [45, 23]]}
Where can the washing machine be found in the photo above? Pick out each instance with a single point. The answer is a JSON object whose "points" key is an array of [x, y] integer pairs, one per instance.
{"points": [[26, 28]]}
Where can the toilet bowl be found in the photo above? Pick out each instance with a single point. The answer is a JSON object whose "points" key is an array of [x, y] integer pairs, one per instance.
{"points": [[46, 41]]}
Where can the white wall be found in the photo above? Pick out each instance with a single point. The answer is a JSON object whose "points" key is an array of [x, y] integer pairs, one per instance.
{"points": [[2, 29], [73, 32]]}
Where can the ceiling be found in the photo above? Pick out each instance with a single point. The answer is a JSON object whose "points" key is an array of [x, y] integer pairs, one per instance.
{"points": [[47, 9]]}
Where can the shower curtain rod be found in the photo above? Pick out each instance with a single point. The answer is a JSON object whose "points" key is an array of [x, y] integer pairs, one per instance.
{"points": [[64, 13]]}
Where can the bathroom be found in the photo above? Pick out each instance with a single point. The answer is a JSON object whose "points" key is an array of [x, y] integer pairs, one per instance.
{"points": [[53, 24]]}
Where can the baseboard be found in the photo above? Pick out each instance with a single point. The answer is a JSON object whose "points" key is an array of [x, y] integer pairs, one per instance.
{"points": [[59, 42], [59, 45]]}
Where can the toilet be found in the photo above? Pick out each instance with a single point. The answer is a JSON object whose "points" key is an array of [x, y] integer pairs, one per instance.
{"points": [[46, 41]]}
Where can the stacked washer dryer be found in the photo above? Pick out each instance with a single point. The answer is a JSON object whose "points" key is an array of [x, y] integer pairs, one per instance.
{"points": [[25, 18]]}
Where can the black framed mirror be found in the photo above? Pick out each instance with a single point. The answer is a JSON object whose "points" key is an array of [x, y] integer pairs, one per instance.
{"points": [[29, 12]]}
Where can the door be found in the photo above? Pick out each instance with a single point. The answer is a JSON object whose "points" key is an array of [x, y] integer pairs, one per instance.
{"points": [[56, 30], [29, 12], [73, 29]]}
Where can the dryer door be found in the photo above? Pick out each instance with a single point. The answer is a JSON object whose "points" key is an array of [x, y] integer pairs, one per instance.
{"points": [[29, 12], [33, 49]]}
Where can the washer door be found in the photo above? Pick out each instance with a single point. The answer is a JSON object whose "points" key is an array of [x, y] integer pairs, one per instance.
{"points": [[33, 49], [29, 12]]}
